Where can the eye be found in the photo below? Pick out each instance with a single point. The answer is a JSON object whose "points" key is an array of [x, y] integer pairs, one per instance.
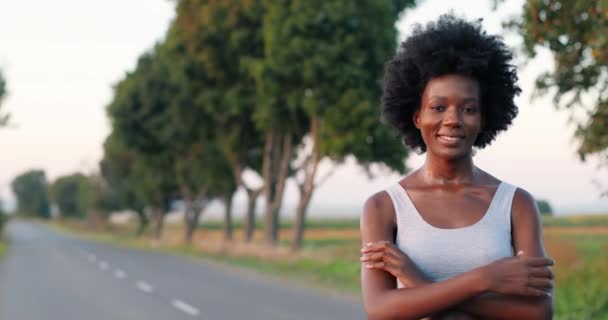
{"points": [[438, 107], [470, 109]]}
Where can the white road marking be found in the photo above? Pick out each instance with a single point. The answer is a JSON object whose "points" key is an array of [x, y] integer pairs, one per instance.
{"points": [[103, 265], [186, 308], [120, 274], [145, 287]]}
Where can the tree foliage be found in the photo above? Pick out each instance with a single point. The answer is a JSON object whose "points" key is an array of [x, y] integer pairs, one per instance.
{"points": [[576, 33], [30, 190], [544, 207], [214, 40], [72, 195], [320, 80], [3, 118], [118, 171], [138, 111], [3, 218], [240, 84]]}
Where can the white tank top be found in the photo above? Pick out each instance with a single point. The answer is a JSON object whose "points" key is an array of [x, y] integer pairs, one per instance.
{"points": [[445, 253]]}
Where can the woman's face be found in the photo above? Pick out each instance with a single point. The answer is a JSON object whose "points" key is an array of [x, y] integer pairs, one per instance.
{"points": [[449, 117]]}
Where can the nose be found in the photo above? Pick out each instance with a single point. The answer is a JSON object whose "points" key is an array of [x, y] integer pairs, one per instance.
{"points": [[452, 117]]}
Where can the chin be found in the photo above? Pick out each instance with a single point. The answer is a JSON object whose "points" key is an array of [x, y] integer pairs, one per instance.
{"points": [[454, 154]]}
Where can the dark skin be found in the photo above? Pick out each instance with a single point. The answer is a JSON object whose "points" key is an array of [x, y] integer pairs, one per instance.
{"points": [[519, 287]]}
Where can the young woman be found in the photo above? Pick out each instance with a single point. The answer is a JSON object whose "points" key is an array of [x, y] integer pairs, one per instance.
{"points": [[450, 240]]}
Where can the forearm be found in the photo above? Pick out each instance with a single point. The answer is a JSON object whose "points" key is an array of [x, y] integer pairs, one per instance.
{"points": [[497, 306], [424, 300]]}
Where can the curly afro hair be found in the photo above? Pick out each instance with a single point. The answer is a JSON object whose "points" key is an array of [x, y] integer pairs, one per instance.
{"points": [[450, 46]]}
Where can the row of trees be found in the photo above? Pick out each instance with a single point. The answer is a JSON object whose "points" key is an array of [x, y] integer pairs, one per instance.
{"points": [[74, 195], [267, 87]]}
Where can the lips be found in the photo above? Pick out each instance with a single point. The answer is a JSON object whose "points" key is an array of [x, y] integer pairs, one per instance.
{"points": [[450, 139]]}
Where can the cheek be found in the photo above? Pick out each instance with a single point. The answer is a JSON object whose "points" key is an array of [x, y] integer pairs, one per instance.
{"points": [[474, 124]]}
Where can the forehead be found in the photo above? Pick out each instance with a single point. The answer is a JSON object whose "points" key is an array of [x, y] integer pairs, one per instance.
{"points": [[452, 85]]}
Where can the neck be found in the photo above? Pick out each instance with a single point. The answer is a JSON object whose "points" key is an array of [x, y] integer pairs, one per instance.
{"points": [[442, 171]]}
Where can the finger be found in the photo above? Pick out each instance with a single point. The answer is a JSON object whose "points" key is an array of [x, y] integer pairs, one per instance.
{"points": [[542, 272], [541, 283], [534, 292], [373, 256], [375, 265], [376, 246], [539, 262]]}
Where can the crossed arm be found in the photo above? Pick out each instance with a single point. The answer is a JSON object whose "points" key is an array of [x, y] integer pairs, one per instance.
{"points": [[511, 288]]}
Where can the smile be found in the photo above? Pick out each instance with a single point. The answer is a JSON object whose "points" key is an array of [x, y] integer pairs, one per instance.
{"points": [[450, 139]]}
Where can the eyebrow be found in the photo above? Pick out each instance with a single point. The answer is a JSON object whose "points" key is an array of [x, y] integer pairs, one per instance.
{"points": [[469, 99]]}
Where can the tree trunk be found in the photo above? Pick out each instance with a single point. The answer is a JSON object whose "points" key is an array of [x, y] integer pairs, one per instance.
{"points": [[194, 209], [188, 217], [306, 188], [277, 154], [300, 221], [159, 215], [228, 217], [193, 224], [252, 197], [143, 223]]}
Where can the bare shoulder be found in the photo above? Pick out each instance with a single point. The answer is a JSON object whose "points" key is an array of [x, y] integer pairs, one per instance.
{"points": [[378, 207], [525, 219], [377, 219], [524, 205]]}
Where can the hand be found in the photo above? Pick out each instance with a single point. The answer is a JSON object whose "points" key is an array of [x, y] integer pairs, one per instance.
{"points": [[384, 255], [520, 275], [453, 315]]}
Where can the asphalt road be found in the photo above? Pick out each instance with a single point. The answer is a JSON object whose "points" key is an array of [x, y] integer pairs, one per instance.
{"points": [[47, 275]]}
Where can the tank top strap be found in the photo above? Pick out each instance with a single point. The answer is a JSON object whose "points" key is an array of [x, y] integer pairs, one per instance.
{"points": [[501, 204], [405, 212]]}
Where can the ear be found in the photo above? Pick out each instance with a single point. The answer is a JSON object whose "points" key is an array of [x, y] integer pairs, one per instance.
{"points": [[416, 119]]}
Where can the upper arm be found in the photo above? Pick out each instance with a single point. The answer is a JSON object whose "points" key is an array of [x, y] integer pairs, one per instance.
{"points": [[377, 223], [527, 237], [526, 225]]}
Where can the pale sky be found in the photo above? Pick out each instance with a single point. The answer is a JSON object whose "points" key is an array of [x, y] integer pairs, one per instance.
{"points": [[60, 59]]}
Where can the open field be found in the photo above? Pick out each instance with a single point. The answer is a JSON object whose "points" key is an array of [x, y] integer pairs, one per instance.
{"points": [[329, 259]]}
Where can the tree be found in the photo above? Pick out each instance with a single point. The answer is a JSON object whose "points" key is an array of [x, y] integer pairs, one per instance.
{"points": [[102, 200], [71, 194], [139, 109], [325, 63], [576, 33], [118, 169], [544, 207], [3, 118], [3, 218], [30, 189], [214, 40]]}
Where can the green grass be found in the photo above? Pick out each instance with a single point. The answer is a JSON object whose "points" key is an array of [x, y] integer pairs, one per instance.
{"points": [[583, 292], [576, 221], [3, 248], [317, 223], [353, 223]]}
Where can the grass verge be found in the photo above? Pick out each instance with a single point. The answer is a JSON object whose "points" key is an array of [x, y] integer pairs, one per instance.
{"points": [[3, 249]]}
